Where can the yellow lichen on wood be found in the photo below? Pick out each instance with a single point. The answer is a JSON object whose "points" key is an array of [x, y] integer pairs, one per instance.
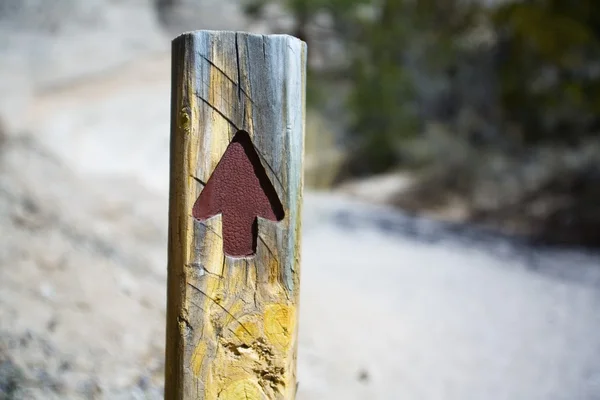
{"points": [[279, 325], [198, 358], [242, 390], [252, 336]]}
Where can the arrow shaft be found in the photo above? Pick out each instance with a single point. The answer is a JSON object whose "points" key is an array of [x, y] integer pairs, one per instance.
{"points": [[239, 234]]}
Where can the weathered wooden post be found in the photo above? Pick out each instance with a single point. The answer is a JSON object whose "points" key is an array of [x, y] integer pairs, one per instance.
{"points": [[237, 131]]}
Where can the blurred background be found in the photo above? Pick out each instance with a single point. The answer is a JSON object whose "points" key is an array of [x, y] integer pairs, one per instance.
{"points": [[452, 209]]}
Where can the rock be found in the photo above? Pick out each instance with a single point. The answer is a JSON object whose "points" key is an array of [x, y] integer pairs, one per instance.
{"points": [[363, 376], [11, 378]]}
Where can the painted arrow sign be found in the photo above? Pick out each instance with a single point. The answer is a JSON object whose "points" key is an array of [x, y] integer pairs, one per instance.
{"points": [[239, 189]]}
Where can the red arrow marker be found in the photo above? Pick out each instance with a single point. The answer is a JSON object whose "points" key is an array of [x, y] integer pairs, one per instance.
{"points": [[240, 190]]}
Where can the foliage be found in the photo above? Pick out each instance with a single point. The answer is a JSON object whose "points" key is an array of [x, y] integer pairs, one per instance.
{"points": [[407, 66], [406, 39], [386, 44], [549, 68]]}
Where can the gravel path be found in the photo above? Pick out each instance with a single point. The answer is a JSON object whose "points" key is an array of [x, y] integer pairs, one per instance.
{"points": [[391, 316]]}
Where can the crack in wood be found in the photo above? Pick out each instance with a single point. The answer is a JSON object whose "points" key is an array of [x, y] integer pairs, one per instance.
{"points": [[237, 60], [226, 76], [199, 96]]}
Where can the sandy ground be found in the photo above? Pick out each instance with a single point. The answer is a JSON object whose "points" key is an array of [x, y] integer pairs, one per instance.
{"points": [[392, 306]]}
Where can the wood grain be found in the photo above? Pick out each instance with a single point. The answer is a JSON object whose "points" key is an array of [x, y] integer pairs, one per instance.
{"points": [[232, 322]]}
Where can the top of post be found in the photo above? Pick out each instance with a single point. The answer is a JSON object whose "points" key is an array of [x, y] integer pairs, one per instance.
{"points": [[226, 32]]}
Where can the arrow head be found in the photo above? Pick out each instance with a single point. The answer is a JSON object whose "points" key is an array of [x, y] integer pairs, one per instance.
{"points": [[240, 190]]}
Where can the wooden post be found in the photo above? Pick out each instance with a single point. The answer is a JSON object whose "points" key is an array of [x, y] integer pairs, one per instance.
{"points": [[237, 133]]}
